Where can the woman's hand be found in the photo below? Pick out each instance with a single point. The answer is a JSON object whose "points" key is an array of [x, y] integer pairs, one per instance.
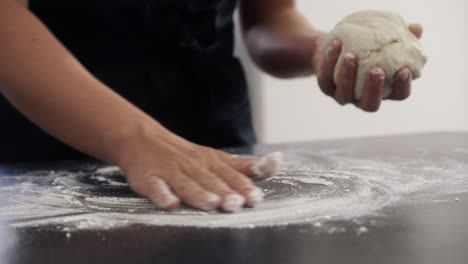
{"points": [[343, 89], [170, 170], [84, 113]]}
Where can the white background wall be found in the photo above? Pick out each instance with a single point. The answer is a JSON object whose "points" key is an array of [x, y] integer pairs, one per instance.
{"points": [[296, 110]]}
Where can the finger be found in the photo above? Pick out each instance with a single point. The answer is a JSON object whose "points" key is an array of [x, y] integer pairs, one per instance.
{"points": [[327, 68], [240, 183], [157, 191], [416, 29], [402, 87], [192, 193], [231, 201], [258, 168], [373, 90], [161, 195], [344, 92]]}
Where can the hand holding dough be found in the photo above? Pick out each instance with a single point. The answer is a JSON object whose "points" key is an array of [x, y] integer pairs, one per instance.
{"points": [[377, 38]]}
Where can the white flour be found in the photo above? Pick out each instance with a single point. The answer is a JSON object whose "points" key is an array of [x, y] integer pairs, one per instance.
{"points": [[309, 188]]}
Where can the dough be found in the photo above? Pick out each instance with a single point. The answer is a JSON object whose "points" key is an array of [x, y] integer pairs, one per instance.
{"points": [[378, 38]]}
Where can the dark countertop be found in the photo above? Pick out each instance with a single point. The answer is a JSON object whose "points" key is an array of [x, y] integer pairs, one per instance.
{"points": [[413, 224]]}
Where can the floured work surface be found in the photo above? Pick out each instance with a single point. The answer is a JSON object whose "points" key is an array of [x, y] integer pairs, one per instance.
{"points": [[386, 200]]}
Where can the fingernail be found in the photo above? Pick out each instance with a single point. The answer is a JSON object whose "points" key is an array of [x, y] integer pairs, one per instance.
{"points": [[169, 201], [210, 202], [233, 203], [333, 45], [378, 74], [254, 196], [267, 165], [349, 59], [212, 198], [404, 75]]}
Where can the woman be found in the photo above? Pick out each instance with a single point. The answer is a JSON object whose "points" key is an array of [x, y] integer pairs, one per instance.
{"points": [[152, 86]]}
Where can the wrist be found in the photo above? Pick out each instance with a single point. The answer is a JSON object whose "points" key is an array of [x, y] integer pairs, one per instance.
{"points": [[124, 143], [283, 54]]}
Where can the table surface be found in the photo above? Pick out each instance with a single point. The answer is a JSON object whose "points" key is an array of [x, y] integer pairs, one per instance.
{"points": [[411, 230]]}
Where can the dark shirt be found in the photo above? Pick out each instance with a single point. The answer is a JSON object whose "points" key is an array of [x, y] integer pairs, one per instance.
{"points": [[171, 58]]}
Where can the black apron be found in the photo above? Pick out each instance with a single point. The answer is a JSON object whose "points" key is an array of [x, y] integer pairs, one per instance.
{"points": [[171, 58]]}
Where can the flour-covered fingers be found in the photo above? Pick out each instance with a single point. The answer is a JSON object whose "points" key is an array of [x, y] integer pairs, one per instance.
{"points": [[402, 85], [162, 196], [155, 189], [241, 164], [253, 195], [192, 194], [373, 90], [344, 92], [256, 168], [327, 68], [231, 201], [267, 165], [240, 183]]}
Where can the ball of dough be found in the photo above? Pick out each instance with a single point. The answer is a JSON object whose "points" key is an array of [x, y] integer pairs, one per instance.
{"points": [[378, 38]]}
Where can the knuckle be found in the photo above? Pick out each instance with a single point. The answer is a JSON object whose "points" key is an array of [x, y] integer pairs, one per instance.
{"points": [[184, 191], [233, 174], [221, 190], [240, 178], [208, 179], [210, 154], [190, 165], [195, 153], [332, 57], [348, 73], [219, 169], [246, 181], [222, 155], [218, 185], [374, 90]]}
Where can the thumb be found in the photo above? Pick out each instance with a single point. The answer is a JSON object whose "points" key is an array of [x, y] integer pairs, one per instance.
{"points": [[416, 29], [257, 168]]}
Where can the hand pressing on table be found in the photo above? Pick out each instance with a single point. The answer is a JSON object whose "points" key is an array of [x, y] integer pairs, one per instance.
{"points": [[45, 82], [170, 170]]}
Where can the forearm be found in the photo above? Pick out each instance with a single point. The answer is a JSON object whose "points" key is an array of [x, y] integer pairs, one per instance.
{"points": [[279, 39], [50, 87]]}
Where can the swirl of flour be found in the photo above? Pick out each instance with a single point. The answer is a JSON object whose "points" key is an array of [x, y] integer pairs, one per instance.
{"points": [[308, 188]]}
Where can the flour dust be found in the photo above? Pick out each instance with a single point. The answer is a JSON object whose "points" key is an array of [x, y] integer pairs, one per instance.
{"points": [[309, 188]]}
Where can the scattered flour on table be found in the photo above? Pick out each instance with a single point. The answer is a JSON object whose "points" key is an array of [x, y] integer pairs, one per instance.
{"points": [[310, 188]]}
